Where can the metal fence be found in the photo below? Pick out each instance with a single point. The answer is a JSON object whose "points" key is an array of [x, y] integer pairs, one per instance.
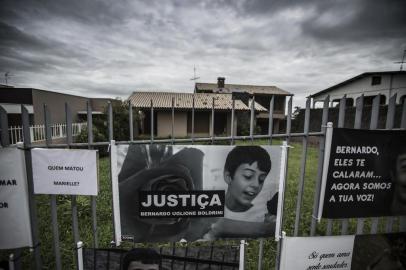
{"points": [[304, 223]]}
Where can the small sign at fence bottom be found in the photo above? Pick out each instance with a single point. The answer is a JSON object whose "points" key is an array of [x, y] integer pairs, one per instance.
{"points": [[360, 252]]}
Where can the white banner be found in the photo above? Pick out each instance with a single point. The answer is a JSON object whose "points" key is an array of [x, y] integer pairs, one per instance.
{"points": [[309, 253], [65, 171], [15, 229]]}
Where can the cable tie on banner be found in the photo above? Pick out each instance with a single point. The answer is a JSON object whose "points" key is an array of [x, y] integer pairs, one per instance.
{"points": [[108, 148], [35, 247], [316, 218]]}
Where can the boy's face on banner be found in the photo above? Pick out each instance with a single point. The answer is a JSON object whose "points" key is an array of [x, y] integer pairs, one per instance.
{"points": [[244, 186]]}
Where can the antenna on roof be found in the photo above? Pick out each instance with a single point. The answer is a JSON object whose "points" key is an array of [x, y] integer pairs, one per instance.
{"points": [[194, 74], [7, 76], [403, 61]]}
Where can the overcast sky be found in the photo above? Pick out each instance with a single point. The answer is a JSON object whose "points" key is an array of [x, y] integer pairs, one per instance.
{"points": [[112, 48]]}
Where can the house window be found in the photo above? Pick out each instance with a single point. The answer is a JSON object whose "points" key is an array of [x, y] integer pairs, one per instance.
{"points": [[376, 80]]}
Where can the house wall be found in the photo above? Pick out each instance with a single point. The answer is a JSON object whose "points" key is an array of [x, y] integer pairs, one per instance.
{"points": [[56, 104], [164, 124], [364, 86], [202, 123]]}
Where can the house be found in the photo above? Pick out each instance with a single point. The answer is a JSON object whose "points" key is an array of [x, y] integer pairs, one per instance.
{"points": [[183, 104], [369, 84], [11, 99], [261, 94]]}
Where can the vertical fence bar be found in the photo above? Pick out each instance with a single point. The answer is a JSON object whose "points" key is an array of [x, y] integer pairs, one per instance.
{"points": [[302, 167], [260, 252], [5, 138], [110, 122], [252, 115], [270, 120], [74, 210], [390, 121], [319, 167], [173, 120], [232, 121], [193, 118], [374, 125], [152, 122], [242, 255], [131, 120], [32, 203], [92, 198], [289, 121], [357, 125], [111, 140], [54, 210], [11, 262], [341, 123], [212, 122], [402, 219]]}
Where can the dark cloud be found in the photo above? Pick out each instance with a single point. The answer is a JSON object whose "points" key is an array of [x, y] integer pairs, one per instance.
{"points": [[112, 48], [102, 12], [359, 21]]}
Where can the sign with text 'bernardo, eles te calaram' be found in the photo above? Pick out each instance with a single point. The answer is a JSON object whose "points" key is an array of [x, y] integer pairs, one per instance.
{"points": [[65, 171]]}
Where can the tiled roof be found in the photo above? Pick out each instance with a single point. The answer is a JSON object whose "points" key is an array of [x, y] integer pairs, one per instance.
{"points": [[252, 89], [163, 100]]}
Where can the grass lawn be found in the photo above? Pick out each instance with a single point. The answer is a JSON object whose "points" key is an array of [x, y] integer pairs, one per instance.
{"points": [[105, 224]]}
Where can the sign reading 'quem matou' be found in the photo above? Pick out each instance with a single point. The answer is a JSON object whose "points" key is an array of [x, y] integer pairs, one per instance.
{"points": [[65, 171]]}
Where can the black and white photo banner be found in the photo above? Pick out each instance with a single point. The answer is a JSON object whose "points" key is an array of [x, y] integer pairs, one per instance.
{"points": [[364, 174], [15, 224], [172, 192], [360, 252]]}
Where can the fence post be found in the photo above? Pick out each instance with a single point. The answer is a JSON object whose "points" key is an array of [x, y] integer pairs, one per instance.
{"points": [[54, 209], [252, 110], [357, 125], [110, 110], [242, 255], [130, 120], [402, 221], [11, 262], [374, 125], [173, 121], [79, 248], [270, 125], [212, 122], [92, 198], [322, 141], [193, 118], [152, 122], [302, 168], [5, 138], [31, 199], [390, 120], [75, 225], [341, 123]]}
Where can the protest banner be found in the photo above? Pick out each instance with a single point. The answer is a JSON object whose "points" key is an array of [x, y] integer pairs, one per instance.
{"points": [[169, 193], [15, 229], [356, 252], [65, 171], [364, 174]]}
